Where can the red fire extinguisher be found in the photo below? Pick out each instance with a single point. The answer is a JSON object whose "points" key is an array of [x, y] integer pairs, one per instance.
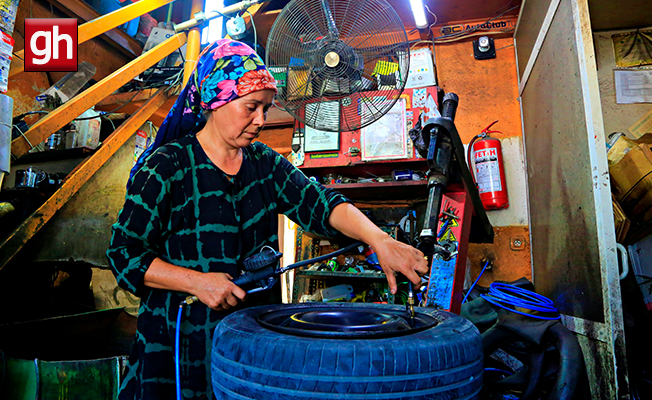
{"points": [[488, 170]]}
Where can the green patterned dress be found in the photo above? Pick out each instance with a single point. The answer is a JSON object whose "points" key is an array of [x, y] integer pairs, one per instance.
{"points": [[182, 208]]}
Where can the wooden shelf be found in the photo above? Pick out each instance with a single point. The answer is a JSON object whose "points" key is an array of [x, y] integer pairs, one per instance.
{"points": [[368, 169], [54, 155], [392, 190], [331, 274]]}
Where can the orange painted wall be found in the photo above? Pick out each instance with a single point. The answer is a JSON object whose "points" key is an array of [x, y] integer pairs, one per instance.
{"points": [[488, 91]]}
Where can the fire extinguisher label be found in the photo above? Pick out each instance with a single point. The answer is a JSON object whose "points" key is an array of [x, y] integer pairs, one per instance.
{"points": [[487, 171]]}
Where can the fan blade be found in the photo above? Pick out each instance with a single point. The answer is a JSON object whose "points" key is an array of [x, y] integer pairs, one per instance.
{"points": [[333, 32]]}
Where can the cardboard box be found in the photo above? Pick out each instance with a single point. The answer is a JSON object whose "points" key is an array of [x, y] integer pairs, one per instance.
{"points": [[631, 177]]}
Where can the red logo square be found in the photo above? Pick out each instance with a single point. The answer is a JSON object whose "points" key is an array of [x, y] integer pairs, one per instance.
{"points": [[50, 44]]}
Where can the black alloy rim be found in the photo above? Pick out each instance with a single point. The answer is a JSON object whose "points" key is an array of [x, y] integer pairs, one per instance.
{"points": [[345, 323]]}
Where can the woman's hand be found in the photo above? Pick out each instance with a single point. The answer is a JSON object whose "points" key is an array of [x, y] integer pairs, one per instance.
{"points": [[214, 289], [395, 256], [217, 291]]}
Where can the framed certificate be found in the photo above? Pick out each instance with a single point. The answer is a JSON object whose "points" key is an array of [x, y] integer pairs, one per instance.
{"points": [[326, 112]]}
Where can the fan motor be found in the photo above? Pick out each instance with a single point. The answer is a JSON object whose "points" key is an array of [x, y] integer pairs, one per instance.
{"points": [[336, 60]]}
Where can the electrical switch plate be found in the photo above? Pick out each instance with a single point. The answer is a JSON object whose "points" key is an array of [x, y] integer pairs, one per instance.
{"points": [[484, 48]]}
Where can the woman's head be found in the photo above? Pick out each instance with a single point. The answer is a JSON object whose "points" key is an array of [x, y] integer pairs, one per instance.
{"points": [[235, 89], [228, 70]]}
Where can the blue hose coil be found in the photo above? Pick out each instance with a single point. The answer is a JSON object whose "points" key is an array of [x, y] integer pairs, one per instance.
{"points": [[510, 297]]}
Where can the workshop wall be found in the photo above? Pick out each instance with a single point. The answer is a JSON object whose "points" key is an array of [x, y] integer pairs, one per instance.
{"points": [[616, 117], [488, 91]]}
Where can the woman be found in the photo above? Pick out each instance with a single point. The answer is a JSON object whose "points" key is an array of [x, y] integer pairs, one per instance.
{"points": [[202, 199]]}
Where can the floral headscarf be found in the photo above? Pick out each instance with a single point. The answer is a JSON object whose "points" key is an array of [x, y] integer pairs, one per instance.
{"points": [[226, 70]]}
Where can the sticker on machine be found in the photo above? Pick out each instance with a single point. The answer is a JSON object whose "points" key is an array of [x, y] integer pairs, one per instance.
{"points": [[487, 171]]}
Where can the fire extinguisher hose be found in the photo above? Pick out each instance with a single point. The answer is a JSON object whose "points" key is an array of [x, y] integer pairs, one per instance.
{"points": [[468, 156]]}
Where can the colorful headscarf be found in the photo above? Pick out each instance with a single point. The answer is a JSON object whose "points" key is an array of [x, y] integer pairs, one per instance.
{"points": [[226, 70]]}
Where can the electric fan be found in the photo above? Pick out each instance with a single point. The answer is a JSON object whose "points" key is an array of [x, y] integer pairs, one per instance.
{"points": [[340, 65]]}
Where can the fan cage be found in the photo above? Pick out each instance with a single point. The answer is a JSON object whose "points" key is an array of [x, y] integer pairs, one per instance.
{"points": [[340, 64]]}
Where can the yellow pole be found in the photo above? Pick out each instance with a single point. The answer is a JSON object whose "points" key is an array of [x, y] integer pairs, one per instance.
{"points": [[194, 42]]}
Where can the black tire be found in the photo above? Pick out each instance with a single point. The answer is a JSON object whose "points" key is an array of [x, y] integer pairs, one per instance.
{"points": [[252, 362]]}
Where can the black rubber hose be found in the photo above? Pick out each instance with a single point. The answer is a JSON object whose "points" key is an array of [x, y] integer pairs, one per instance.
{"points": [[495, 337], [571, 363], [535, 367]]}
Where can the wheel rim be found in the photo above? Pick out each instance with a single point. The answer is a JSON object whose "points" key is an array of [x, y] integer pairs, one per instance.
{"points": [[337, 322]]}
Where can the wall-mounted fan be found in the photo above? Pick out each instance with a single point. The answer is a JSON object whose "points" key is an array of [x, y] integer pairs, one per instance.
{"points": [[340, 64]]}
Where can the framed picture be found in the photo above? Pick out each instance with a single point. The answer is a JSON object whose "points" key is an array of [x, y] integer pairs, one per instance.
{"points": [[327, 112], [386, 139]]}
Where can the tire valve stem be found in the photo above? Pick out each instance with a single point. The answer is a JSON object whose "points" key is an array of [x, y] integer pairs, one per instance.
{"points": [[410, 305]]}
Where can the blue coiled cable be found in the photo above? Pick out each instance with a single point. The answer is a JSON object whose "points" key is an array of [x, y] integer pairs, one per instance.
{"points": [[510, 297]]}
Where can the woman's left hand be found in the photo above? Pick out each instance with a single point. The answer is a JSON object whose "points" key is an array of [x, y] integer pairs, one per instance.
{"points": [[395, 257]]}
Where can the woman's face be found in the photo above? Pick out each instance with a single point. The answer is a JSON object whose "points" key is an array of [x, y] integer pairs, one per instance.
{"points": [[240, 121]]}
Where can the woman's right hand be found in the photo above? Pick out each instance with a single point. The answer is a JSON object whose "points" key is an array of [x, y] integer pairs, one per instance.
{"points": [[214, 289], [217, 291]]}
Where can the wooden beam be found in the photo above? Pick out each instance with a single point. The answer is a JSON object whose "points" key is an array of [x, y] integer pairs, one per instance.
{"points": [[120, 99], [264, 21], [114, 100], [98, 24], [77, 178], [82, 102], [106, 22]]}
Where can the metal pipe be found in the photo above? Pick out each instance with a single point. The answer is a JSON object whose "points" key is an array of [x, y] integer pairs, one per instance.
{"points": [[199, 18], [194, 42]]}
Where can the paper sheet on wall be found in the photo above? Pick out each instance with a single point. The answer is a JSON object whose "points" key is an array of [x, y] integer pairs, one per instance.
{"points": [[633, 86], [386, 139]]}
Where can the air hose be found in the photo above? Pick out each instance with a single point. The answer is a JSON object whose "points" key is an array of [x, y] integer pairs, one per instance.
{"points": [[476, 281], [511, 297], [177, 343], [239, 281]]}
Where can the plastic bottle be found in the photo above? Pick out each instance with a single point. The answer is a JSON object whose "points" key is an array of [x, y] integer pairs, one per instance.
{"points": [[68, 86]]}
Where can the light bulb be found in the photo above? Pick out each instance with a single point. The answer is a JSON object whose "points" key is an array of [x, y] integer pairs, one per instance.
{"points": [[419, 14]]}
